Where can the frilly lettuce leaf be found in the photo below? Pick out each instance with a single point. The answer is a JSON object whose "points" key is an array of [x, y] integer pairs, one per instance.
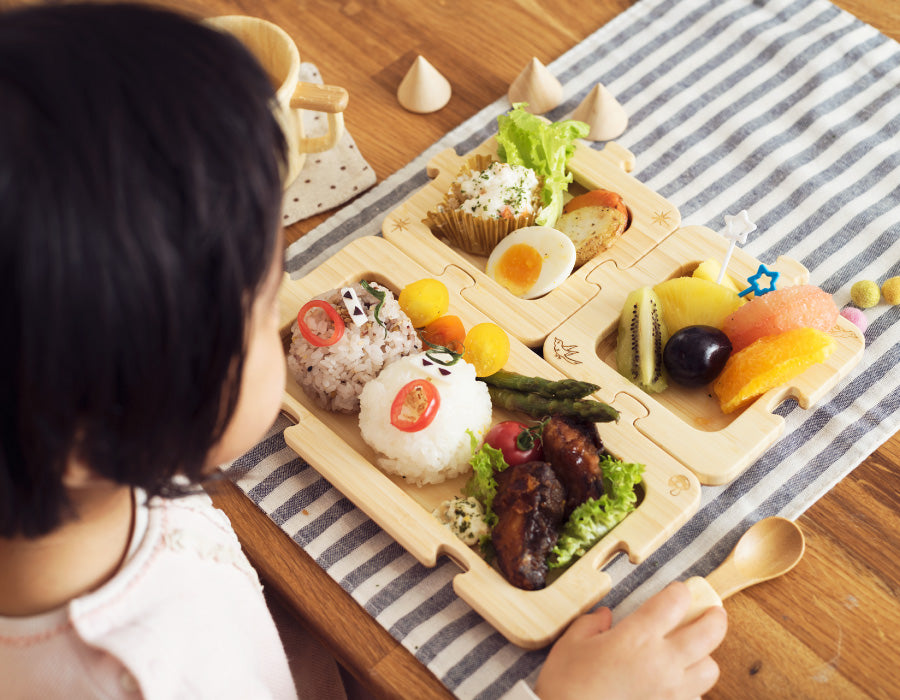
{"points": [[594, 518], [545, 147], [485, 461]]}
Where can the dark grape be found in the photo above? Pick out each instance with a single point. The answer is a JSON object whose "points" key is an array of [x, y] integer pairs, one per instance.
{"points": [[695, 355]]}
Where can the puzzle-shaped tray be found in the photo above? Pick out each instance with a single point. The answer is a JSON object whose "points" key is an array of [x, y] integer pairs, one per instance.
{"points": [[332, 444], [575, 324], [688, 423], [652, 219]]}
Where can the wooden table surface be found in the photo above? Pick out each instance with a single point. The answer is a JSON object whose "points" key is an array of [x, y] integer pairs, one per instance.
{"points": [[828, 629]]}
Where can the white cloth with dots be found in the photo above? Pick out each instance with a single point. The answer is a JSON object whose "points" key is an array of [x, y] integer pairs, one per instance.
{"points": [[329, 178]]}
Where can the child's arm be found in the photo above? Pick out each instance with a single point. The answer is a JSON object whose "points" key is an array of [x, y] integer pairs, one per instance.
{"points": [[646, 655]]}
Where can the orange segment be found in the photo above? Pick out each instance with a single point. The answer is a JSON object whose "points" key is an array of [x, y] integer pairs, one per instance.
{"points": [[769, 362]]}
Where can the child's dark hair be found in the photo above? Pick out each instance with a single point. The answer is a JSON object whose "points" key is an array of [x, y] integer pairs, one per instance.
{"points": [[140, 198]]}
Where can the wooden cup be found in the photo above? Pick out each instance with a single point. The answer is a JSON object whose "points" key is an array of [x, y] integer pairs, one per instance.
{"points": [[279, 56]]}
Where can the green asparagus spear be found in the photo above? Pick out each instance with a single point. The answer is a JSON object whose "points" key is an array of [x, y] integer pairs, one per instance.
{"points": [[540, 406], [562, 389]]}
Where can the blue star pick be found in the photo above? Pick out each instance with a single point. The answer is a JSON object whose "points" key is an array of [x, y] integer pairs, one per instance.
{"points": [[755, 287]]}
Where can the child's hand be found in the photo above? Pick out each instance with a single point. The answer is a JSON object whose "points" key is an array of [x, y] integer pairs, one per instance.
{"points": [[646, 655]]}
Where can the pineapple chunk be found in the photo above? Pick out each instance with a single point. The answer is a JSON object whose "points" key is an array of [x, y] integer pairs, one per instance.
{"points": [[691, 301], [709, 270]]}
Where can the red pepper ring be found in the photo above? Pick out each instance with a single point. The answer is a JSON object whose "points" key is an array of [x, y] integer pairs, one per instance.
{"points": [[332, 313], [415, 406]]}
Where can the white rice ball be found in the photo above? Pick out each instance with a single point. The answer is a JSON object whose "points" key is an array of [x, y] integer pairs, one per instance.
{"points": [[441, 450]]}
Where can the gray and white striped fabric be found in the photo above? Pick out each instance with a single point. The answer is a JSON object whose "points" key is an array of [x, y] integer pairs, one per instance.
{"points": [[786, 108]]}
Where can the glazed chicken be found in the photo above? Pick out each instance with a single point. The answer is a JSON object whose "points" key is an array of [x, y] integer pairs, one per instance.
{"points": [[529, 504], [573, 447]]}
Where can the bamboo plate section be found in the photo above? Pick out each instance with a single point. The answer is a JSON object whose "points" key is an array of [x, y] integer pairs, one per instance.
{"points": [[652, 219], [688, 423], [332, 444]]}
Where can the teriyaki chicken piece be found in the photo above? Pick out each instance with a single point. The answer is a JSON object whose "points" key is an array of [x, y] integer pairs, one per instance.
{"points": [[530, 502]]}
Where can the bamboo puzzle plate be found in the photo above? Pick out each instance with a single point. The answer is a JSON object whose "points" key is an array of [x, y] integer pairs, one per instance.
{"points": [[688, 423], [652, 219], [332, 444]]}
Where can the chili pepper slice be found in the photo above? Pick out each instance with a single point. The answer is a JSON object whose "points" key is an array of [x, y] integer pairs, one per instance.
{"points": [[332, 313], [415, 406]]}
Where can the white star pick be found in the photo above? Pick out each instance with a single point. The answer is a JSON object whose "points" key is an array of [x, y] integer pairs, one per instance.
{"points": [[738, 227], [736, 230]]}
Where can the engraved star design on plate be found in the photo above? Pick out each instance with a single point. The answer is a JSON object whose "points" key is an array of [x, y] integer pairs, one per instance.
{"points": [[661, 218], [401, 224]]}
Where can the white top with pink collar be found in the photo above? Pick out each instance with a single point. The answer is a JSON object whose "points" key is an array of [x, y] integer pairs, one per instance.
{"points": [[183, 618]]}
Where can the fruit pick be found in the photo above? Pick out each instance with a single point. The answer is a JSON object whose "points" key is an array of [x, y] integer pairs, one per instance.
{"points": [[754, 280], [736, 230]]}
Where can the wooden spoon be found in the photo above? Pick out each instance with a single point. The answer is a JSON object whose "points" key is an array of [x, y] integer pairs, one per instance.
{"points": [[770, 548]]}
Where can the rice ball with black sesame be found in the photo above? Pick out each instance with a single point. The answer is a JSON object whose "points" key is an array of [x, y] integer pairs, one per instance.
{"points": [[374, 333]]}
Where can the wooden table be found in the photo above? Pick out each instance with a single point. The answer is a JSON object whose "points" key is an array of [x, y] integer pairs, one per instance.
{"points": [[826, 630]]}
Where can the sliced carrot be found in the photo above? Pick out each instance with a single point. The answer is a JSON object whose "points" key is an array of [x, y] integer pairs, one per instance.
{"points": [[596, 198], [447, 331]]}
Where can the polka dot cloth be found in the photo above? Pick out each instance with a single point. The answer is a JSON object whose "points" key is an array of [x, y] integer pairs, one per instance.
{"points": [[327, 179]]}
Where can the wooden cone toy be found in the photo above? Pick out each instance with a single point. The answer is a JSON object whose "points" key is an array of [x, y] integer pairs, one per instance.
{"points": [[537, 86], [423, 89], [603, 113]]}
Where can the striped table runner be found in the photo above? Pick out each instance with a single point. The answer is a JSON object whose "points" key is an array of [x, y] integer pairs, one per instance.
{"points": [[786, 108]]}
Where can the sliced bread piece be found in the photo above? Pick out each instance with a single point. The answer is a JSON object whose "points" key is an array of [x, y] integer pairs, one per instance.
{"points": [[592, 229]]}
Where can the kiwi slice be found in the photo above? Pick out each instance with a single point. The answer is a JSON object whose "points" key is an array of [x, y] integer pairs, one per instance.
{"points": [[642, 337]]}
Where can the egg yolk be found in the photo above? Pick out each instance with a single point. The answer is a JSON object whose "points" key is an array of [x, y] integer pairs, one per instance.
{"points": [[519, 268]]}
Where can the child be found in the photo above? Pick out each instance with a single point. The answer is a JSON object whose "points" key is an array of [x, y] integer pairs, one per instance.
{"points": [[140, 255]]}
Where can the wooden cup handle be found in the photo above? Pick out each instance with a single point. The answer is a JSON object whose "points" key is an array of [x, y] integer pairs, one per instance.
{"points": [[703, 597], [321, 98]]}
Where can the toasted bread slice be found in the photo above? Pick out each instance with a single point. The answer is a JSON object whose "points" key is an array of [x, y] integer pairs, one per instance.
{"points": [[592, 230]]}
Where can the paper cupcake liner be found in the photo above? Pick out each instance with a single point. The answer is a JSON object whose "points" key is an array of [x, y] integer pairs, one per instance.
{"points": [[473, 234]]}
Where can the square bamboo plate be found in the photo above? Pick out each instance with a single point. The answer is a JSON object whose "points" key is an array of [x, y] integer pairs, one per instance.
{"points": [[332, 444], [688, 423], [652, 219]]}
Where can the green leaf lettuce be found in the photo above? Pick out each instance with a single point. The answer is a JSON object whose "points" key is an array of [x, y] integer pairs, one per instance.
{"points": [[485, 461], [545, 147], [594, 518]]}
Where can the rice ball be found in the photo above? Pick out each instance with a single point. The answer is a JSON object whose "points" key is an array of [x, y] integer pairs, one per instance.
{"points": [[334, 375], [441, 450]]}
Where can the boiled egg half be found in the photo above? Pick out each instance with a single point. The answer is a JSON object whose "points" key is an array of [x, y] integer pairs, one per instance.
{"points": [[532, 261]]}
